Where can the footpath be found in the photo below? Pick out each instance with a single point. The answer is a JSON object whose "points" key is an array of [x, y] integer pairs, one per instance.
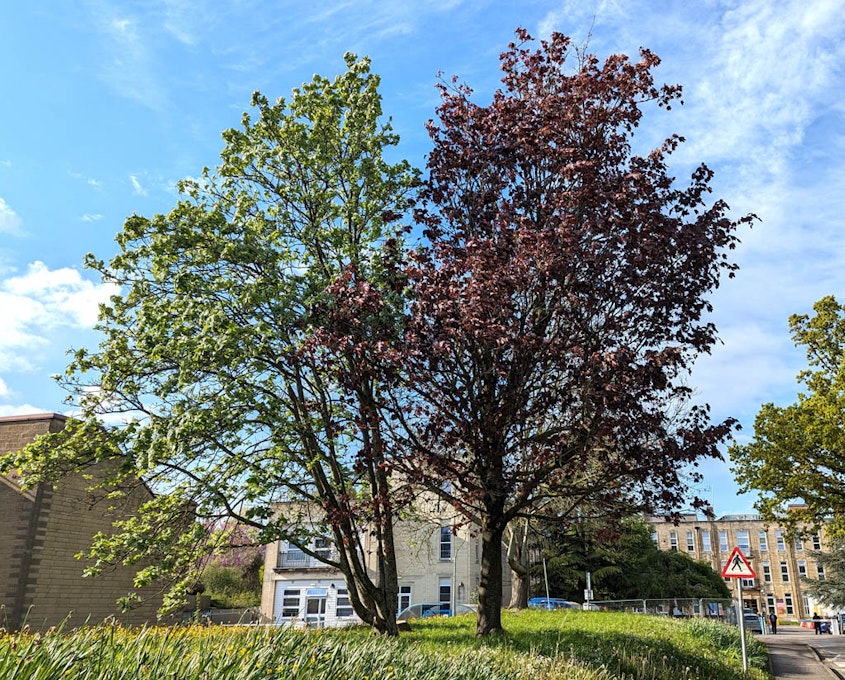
{"points": [[798, 653]]}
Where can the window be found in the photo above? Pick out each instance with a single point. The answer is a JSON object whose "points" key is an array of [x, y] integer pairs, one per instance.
{"points": [[787, 600], [806, 600], [799, 544], [817, 542], [290, 603], [764, 542], [748, 583], [344, 607], [404, 597], [445, 593], [654, 537], [767, 573], [820, 570], [770, 602], [784, 572], [723, 541], [780, 541], [322, 547], [742, 541], [690, 542], [705, 541], [445, 543], [673, 540], [802, 569]]}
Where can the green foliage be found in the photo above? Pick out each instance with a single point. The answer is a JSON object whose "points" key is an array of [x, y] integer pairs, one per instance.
{"points": [[550, 645], [831, 589], [795, 454], [228, 587], [624, 564], [211, 360]]}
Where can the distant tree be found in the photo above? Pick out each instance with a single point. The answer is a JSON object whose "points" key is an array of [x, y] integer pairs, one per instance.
{"points": [[233, 406], [831, 589], [795, 457], [560, 303], [624, 564]]}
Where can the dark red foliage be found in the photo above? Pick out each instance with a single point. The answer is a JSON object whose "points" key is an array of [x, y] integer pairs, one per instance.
{"points": [[561, 300]]}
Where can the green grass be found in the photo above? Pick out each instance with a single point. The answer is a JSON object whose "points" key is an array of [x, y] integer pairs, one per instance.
{"points": [[569, 645]]}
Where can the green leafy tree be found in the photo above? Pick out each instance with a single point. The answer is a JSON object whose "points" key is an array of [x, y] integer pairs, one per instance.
{"points": [[232, 407], [831, 589], [624, 564], [794, 460]]}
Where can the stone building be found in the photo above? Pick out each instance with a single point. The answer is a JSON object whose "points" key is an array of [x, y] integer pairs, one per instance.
{"points": [[41, 581], [437, 560], [778, 559]]}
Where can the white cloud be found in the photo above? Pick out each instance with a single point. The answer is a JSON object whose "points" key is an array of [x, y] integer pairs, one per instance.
{"points": [[19, 410], [137, 188], [10, 223], [89, 217], [40, 302]]}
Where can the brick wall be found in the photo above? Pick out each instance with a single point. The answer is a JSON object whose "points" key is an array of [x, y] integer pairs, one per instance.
{"points": [[41, 581]]}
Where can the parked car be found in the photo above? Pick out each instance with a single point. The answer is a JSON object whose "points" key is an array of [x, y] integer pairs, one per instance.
{"points": [[427, 609], [551, 603], [752, 622]]}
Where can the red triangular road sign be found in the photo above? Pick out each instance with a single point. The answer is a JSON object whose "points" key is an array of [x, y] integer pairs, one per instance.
{"points": [[737, 566]]}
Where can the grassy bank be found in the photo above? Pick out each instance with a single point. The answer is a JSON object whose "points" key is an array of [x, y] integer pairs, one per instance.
{"points": [[567, 645]]}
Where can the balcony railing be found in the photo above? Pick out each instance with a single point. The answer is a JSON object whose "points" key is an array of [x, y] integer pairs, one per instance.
{"points": [[296, 559]]}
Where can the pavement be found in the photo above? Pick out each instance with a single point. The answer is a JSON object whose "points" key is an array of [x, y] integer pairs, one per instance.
{"points": [[798, 653]]}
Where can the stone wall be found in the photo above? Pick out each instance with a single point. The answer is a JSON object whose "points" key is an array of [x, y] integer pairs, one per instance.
{"points": [[41, 582]]}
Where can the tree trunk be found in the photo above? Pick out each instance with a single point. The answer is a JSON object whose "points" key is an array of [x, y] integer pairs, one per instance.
{"points": [[518, 563], [490, 585]]}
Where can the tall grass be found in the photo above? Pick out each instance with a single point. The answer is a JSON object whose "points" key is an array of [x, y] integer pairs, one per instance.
{"points": [[537, 646]]}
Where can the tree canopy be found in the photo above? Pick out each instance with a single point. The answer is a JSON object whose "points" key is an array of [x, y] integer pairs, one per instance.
{"points": [[831, 589], [277, 355], [624, 563], [559, 302], [209, 384], [794, 460]]}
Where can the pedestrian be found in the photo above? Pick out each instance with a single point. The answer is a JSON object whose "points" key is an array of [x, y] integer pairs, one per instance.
{"points": [[817, 624], [773, 621]]}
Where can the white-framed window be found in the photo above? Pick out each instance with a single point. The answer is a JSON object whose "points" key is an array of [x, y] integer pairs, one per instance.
{"points": [[787, 601], [654, 537], [690, 542], [323, 547], [767, 572], [784, 572], [817, 541], [780, 541], [445, 593], [799, 544], [820, 571], [344, 606], [673, 540], [764, 542], [404, 597], [806, 600], [705, 540], [748, 583], [290, 603], [723, 541], [770, 602], [802, 568], [742, 541], [445, 543]]}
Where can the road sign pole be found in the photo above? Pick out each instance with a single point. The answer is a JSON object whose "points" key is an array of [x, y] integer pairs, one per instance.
{"points": [[740, 614]]}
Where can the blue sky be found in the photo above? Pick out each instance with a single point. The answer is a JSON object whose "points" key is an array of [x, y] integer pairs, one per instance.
{"points": [[104, 104]]}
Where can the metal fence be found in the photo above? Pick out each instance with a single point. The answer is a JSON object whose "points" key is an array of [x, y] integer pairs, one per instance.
{"points": [[681, 607]]}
